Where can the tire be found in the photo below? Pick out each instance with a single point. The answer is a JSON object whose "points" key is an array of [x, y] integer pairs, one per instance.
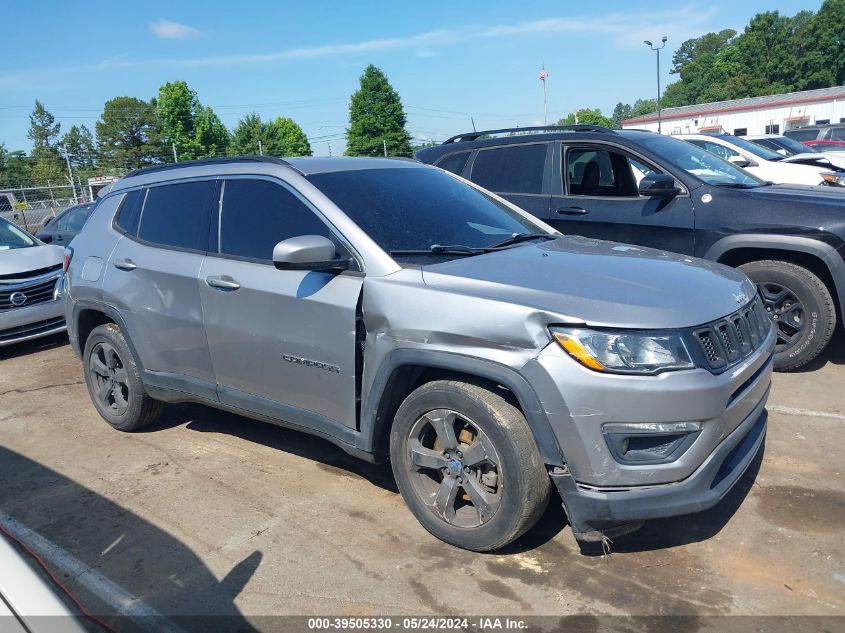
{"points": [[123, 402], [496, 499], [802, 309]]}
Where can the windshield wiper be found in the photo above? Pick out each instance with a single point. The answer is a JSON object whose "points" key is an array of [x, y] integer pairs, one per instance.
{"points": [[737, 185], [437, 249], [522, 237]]}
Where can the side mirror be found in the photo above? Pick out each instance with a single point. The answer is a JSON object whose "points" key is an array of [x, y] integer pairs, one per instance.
{"points": [[47, 239], [741, 161], [308, 252], [658, 186]]}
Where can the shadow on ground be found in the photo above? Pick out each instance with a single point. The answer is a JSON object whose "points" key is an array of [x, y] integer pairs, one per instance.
{"points": [[35, 345], [141, 558]]}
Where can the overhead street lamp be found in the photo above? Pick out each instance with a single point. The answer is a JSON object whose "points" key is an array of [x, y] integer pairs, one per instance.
{"points": [[657, 50]]}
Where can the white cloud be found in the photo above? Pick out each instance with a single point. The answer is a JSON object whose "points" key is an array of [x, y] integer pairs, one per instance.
{"points": [[626, 29], [167, 30]]}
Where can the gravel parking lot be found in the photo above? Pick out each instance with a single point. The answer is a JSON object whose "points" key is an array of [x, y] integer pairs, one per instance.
{"points": [[210, 513]]}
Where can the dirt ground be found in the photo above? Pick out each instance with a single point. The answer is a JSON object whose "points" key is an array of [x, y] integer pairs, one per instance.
{"points": [[210, 513]]}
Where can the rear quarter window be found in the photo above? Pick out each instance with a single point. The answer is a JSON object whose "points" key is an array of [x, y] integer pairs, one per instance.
{"points": [[454, 162], [511, 169], [129, 212]]}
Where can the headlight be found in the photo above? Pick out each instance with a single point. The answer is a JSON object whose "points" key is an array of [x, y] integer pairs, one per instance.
{"points": [[624, 352], [837, 179]]}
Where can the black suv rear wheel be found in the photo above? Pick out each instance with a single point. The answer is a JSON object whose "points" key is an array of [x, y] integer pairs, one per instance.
{"points": [[114, 382], [801, 307], [466, 464]]}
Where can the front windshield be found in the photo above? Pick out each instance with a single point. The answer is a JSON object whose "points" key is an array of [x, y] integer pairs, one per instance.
{"points": [[698, 162], [13, 237], [416, 208], [753, 148]]}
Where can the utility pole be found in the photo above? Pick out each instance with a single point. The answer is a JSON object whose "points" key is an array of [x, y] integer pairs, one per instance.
{"points": [[657, 50], [175, 158], [384, 142], [260, 149], [70, 175]]}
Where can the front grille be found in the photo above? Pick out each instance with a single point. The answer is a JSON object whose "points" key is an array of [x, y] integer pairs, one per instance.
{"points": [[30, 329], [726, 342], [39, 292]]}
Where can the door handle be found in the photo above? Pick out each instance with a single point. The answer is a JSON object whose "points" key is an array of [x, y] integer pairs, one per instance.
{"points": [[125, 264], [223, 283], [572, 211]]}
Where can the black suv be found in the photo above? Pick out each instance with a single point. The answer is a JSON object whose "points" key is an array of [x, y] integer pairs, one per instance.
{"points": [[829, 132], [643, 188]]}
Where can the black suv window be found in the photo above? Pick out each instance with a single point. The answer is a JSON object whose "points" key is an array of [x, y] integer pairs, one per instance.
{"points": [[73, 219], [257, 214], [454, 162], [599, 172], [177, 215], [511, 169]]}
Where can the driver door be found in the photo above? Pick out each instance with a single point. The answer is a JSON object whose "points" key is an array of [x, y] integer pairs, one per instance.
{"points": [[600, 200]]}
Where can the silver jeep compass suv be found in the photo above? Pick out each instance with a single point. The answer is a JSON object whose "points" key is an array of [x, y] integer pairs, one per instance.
{"points": [[405, 314]]}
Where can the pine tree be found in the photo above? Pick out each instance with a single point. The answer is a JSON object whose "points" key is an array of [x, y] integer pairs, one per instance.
{"points": [[43, 132], [376, 118]]}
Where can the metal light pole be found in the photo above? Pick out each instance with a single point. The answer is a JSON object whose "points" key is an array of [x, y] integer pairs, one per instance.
{"points": [[657, 50]]}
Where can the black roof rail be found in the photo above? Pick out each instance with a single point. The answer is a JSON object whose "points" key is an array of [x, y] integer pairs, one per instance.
{"points": [[472, 136], [210, 161]]}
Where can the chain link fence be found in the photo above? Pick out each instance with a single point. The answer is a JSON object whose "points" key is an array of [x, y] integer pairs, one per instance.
{"points": [[32, 206]]}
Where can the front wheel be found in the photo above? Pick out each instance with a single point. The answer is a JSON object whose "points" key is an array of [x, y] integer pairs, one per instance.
{"points": [[466, 464], [801, 307]]}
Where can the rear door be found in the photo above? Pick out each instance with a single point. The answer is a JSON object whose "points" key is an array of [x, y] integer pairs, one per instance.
{"points": [[518, 173], [283, 342], [600, 199], [153, 278]]}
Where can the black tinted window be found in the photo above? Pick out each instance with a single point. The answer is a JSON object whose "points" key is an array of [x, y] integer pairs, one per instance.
{"points": [[74, 219], [454, 162], [838, 133], [257, 214], [514, 169], [130, 211], [177, 215], [802, 135], [413, 208]]}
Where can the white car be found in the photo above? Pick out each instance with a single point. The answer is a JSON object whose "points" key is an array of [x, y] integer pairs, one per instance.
{"points": [[795, 152], [763, 162]]}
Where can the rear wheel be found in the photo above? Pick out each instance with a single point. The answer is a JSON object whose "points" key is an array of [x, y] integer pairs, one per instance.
{"points": [[801, 307], [466, 464], [114, 381]]}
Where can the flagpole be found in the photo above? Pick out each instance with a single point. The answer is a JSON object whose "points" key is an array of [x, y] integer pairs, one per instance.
{"points": [[545, 107]]}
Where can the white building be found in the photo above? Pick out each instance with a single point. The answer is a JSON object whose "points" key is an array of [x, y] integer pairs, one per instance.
{"points": [[771, 114]]}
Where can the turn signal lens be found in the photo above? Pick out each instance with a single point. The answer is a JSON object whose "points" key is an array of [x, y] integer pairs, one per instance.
{"points": [[577, 351]]}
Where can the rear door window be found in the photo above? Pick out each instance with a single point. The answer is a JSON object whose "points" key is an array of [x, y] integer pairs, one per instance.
{"points": [[177, 215], [511, 169], [257, 214]]}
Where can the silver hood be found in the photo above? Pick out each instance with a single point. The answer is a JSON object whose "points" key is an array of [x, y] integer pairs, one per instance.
{"points": [[599, 283], [22, 260]]}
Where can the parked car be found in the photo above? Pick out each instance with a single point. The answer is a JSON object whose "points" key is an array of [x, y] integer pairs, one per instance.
{"points": [[764, 163], [643, 188], [826, 146], [399, 311], [61, 229], [833, 131], [31, 297], [795, 152]]}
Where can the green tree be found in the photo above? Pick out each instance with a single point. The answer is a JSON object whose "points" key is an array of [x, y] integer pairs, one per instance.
{"points": [[15, 167], [247, 134], [286, 138], [195, 130], [128, 135], [621, 112], [43, 132], [78, 142], [586, 116], [376, 118]]}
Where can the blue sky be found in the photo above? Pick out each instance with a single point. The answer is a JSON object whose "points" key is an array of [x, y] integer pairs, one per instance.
{"points": [[448, 60]]}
